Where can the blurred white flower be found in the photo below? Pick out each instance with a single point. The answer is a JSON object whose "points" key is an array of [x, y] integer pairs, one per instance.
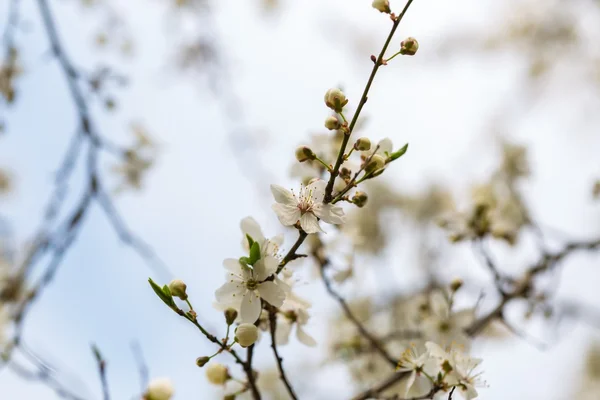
{"points": [[306, 208], [286, 320], [250, 285], [444, 326], [159, 389], [415, 363]]}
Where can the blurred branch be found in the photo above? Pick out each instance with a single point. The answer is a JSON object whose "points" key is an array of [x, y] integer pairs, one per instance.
{"points": [[278, 359], [102, 372], [143, 370]]}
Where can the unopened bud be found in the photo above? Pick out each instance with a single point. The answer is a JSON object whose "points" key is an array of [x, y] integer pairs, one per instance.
{"points": [[230, 315], [201, 361], [333, 123], [362, 144], [382, 6], [345, 173], [178, 288], [456, 284], [159, 389], [409, 46], [360, 199], [246, 334], [217, 374], [377, 162], [304, 153], [335, 99]]}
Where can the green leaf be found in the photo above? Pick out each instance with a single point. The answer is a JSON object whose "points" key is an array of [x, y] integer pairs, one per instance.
{"points": [[399, 153], [250, 241], [254, 253], [164, 296], [244, 261]]}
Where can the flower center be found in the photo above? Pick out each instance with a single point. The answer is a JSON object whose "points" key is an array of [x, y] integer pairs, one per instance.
{"points": [[251, 284], [305, 200]]}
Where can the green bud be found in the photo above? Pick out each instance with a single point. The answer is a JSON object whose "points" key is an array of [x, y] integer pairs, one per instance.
{"points": [[360, 199], [230, 315], [409, 46], [362, 144], [335, 99], [178, 288], [201, 361], [382, 6], [333, 123], [304, 153], [377, 162], [456, 284]]}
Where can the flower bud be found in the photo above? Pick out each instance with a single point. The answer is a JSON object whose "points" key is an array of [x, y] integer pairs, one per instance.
{"points": [[362, 144], [345, 173], [230, 315], [304, 153], [159, 389], [456, 284], [409, 46], [377, 162], [177, 288], [333, 123], [217, 374], [201, 361], [382, 6], [360, 199], [246, 334], [335, 99]]}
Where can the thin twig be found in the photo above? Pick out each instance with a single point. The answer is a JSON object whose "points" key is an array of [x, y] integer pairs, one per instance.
{"points": [[140, 361], [101, 372], [278, 359], [363, 100]]}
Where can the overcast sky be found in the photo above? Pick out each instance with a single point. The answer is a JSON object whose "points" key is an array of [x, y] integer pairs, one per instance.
{"points": [[280, 66]]}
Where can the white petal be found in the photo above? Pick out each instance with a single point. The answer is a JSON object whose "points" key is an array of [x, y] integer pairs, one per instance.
{"points": [[282, 333], [309, 223], [439, 305], [250, 227], [272, 293], [330, 214], [385, 146], [232, 265], [317, 190], [230, 292], [282, 195], [265, 267], [250, 308], [409, 382], [463, 318], [284, 286], [287, 214], [304, 337]]}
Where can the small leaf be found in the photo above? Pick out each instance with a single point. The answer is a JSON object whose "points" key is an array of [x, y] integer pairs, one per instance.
{"points": [[167, 291], [399, 153], [244, 261], [167, 299], [250, 241], [254, 253], [97, 353]]}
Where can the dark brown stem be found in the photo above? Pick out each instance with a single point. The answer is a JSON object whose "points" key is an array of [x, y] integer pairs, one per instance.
{"points": [[363, 100], [282, 375]]}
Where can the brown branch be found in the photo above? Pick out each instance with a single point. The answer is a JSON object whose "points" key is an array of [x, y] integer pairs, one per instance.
{"points": [[363, 100], [282, 375], [250, 373]]}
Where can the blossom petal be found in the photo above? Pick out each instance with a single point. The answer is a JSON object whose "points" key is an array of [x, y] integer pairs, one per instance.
{"points": [[272, 293], [284, 286], [330, 214], [265, 267], [410, 381], [317, 190], [304, 337], [309, 223], [282, 195], [251, 228], [229, 292], [287, 214], [439, 305], [250, 308], [282, 334], [385, 146], [233, 265]]}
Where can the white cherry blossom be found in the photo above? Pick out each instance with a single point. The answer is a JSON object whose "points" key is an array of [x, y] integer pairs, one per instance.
{"points": [[297, 317], [306, 208], [250, 285]]}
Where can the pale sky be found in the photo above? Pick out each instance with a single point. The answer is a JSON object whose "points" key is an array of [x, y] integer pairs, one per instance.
{"points": [[194, 198]]}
